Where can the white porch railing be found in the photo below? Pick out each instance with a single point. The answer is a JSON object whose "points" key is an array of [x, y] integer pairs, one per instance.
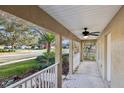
{"points": [[45, 78]]}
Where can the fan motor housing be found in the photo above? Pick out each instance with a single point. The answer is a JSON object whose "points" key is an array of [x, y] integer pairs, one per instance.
{"points": [[85, 33]]}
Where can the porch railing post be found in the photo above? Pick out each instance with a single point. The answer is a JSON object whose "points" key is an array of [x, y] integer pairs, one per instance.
{"points": [[58, 57], [81, 51], [71, 57]]}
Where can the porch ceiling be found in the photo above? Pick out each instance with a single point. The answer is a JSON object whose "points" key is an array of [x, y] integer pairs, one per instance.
{"points": [[75, 17]]}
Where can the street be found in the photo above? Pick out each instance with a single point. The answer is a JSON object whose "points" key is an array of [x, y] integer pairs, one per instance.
{"points": [[24, 55], [18, 56]]}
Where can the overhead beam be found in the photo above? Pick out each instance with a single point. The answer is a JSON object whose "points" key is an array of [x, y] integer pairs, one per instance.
{"points": [[39, 17]]}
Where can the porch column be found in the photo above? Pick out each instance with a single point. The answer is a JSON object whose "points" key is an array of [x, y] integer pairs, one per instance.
{"points": [[81, 51], [58, 57], [71, 57]]}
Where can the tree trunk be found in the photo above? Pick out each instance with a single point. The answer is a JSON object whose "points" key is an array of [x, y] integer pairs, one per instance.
{"points": [[48, 47], [12, 46]]}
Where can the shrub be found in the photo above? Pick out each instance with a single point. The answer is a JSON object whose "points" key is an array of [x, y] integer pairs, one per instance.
{"points": [[6, 50], [65, 64], [46, 59]]}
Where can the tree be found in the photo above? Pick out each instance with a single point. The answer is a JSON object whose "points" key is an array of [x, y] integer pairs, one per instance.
{"points": [[47, 38], [16, 33], [29, 38], [2, 32], [2, 40]]}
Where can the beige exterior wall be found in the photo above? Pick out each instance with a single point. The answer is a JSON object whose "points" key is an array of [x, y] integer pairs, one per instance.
{"points": [[101, 56], [76, 54], [116, 28]]}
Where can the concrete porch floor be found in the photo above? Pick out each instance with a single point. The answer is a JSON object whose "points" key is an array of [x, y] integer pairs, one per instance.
{"points": [[87, 76]]}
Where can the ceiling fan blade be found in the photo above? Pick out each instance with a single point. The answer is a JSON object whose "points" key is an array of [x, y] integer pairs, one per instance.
{"points": [[93, 34]]}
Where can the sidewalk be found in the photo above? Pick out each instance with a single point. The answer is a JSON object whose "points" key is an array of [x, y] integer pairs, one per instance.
{"points": [[17, 52], [18, 56]]}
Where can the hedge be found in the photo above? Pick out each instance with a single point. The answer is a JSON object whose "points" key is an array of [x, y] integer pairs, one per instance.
{"points": [[6, 50]]}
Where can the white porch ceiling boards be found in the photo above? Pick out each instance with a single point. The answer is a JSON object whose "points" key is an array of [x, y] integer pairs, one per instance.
{"points": [[75, 17]]}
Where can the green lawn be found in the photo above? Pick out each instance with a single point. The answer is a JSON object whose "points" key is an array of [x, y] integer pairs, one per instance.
{"points": [[17, 68], [20, 68]]}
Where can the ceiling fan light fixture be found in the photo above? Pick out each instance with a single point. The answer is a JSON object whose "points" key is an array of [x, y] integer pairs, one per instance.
{"points": [[85, 37]]}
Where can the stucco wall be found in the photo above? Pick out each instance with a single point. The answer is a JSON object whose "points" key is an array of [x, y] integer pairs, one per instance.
{"points": [[116, 28], [76, 55], [76, 60], [101, 57]]}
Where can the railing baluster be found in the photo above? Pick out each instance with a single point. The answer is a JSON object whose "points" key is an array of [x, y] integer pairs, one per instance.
{"points": [[52, 77], [31, 84], [43, 80], [39, 81], [55, 76], [35, 81], [26, 84], [48, 78]]}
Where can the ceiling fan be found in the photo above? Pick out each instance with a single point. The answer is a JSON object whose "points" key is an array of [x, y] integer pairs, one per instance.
{"points": [[86, 33]]}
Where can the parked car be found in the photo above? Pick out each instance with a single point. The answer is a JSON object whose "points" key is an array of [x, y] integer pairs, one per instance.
{"points": [[7, 47]]}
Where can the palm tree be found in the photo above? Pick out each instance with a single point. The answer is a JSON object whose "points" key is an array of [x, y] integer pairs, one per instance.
{"points": [[47, 38]]}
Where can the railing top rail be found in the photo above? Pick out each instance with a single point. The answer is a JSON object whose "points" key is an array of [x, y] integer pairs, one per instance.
{"points": [[30, 77]]}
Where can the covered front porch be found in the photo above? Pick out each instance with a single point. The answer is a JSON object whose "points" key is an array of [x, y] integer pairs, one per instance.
{"points": [[67, 21]]}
